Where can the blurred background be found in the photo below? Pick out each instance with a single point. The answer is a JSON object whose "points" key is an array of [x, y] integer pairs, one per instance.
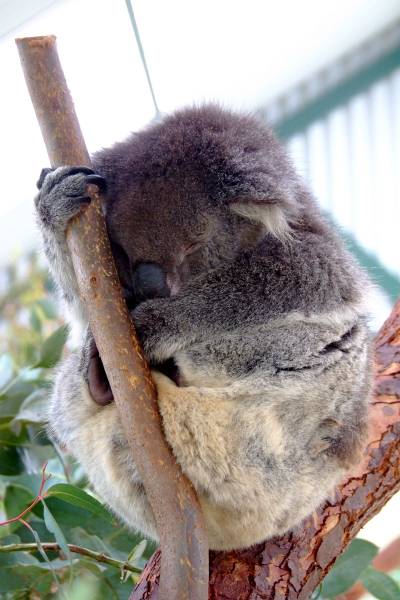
{"points": [[326, 75]]}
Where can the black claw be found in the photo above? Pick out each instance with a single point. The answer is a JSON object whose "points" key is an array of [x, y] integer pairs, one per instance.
{"points": [[99, 181], [78, 170], [42, 177]]}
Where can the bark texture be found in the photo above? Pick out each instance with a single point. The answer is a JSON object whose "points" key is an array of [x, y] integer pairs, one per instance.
{"points": [[290, 567], [184, 568]]}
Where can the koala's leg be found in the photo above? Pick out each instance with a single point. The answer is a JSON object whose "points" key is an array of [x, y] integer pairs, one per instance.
{"points": [[70, 407], [212, 443], [62, 194], [199, 426], [93, 434]]}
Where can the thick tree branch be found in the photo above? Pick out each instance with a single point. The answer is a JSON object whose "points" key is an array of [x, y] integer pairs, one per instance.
{"points": [[184, 568], [291, 567]]}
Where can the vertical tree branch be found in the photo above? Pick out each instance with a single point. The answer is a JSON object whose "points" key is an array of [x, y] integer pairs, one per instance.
{"points": [[184, 568], [290, 567]]}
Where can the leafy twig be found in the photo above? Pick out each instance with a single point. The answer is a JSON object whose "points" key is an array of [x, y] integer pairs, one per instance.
{"points": [[38, 499], [53, 546], [41, 550]]}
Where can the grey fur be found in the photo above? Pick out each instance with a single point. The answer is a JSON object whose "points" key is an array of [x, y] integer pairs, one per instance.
{"points": [[265, 322]]}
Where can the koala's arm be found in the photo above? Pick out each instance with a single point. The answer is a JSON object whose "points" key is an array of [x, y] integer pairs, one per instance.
{"points": [[265, 284], [61, 196]]}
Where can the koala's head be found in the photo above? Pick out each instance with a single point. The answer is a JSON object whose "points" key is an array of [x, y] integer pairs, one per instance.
{"points": [[191, 192]]}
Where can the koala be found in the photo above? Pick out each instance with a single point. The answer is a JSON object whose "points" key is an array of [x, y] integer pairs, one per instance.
{"points": [[249, 310]]}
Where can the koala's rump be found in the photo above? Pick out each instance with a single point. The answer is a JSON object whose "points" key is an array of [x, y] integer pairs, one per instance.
{"points": [[266, 450]]}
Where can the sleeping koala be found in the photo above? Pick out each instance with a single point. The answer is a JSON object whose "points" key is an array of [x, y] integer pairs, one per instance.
{"points": [[250, 312]]}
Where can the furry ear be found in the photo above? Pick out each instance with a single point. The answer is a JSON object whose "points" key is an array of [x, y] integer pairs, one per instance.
{"points": [[246, 169], [260, 192], [275, 216]]}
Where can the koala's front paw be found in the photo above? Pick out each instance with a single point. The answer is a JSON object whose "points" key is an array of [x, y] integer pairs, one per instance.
{"points": [[150, 324], [92, 369], [62, 194]]}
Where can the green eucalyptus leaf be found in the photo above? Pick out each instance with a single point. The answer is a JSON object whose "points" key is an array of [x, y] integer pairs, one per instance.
{"points": [[41, 550], [18, 389], [87, 564], [31, 351], [396, 576], [9, 559], [80, 537], [380, 585], [54, 528], [69, 516], [136, 554], [10, 461], [9, 408], [30, 481], [80, 498], [16, 500], [124, 540], [82, 588], [9, 437], [26, 577], [10, 539], [122, 589], [51, 350], [48, 308], [27, 381], [6, 370], [35, 320], [348, 568], [38, 527], [34, 408]]}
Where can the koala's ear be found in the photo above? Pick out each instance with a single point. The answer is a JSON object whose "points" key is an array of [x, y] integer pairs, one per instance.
{"points": [[259, 183], [277, 216]]}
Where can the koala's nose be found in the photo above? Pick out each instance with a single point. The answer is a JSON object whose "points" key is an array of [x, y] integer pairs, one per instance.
{"points": [[149, 281]]}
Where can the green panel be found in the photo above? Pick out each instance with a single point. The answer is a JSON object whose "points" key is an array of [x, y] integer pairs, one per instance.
{"points": [[339, 95], [322, 106], [389, 282]]}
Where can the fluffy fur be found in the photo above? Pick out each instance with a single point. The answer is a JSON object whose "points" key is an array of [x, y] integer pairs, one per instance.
{"points": [[253, 298]]}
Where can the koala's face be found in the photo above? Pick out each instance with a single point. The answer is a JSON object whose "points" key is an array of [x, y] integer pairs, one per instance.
{"points": [[187, 194], [166, 234]]}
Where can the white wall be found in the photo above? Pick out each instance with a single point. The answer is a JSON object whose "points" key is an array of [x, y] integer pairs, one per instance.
{"points": [[240, 53]]}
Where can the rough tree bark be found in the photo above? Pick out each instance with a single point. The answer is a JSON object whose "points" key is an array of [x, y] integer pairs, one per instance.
{"points": [[180, 525], [290, 567]]}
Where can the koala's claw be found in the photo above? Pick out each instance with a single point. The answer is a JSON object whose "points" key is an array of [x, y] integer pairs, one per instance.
{"points": [[62, 194], [43, 174], [62, 172], [97, 180]]}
